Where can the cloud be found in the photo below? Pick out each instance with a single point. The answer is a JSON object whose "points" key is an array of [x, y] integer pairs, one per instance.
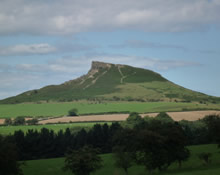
{"points": [[138, 44], [75, 47], [14, 83], [72, 16], [28, 49], [44, 48], [80, 65]]}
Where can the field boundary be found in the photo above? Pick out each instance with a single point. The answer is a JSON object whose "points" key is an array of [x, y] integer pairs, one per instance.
{"points": [[177, 116]]}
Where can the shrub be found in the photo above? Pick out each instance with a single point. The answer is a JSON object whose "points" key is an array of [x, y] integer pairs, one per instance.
{"points": [[19, 120], [8, 121], [33, 121], [73, 112]]}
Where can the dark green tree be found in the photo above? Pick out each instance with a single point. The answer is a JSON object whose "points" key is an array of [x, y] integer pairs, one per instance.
{"points": [[83, 161], [9, 164], [151, 150], [123, 158], [33, 121], [73, 112], [174, 140], [164, 117], [19, 120], [213, 124], [134, 119]]}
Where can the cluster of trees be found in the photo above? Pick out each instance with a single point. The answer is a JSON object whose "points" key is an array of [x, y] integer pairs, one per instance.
{"points": [[47, 144], [153, 142], [203, 131], [20, 121]]}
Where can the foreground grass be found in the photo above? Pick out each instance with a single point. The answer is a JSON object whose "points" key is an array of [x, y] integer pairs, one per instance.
{"points": [[60, 109], [6, 130], [193, 166]]}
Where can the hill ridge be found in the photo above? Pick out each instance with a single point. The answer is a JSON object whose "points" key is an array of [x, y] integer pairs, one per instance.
{"points": [[114, 82]]}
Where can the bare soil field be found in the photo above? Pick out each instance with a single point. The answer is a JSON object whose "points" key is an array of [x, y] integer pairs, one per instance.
{"points": [[177, 116]]}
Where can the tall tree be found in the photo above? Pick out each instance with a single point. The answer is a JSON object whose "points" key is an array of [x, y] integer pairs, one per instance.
{"points": [[123, 158], [9, 164], [83, 161], [213, 124], [151, 150]]}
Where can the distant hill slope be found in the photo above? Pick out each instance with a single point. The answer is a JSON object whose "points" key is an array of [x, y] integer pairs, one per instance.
{"points": [[114, 82]]}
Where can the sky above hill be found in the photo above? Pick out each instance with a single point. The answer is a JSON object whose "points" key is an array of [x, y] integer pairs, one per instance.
{"points": [[47, 42]]}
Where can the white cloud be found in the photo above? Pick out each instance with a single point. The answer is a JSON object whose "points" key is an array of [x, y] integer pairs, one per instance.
{"points": [[140, 44], [28, 49], [80, 65], [143, 44], [71, 16], [14, 83]]}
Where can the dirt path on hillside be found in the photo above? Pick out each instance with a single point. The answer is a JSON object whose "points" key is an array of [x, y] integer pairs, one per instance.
{"points": [[177, 116]]}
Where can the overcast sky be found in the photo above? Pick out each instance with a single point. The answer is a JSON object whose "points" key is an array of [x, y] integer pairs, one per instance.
{"points": [[46, 42]]}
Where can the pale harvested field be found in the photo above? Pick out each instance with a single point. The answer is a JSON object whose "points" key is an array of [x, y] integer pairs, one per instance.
{"points": [[177, 116], [87, 118], [2, 121]]}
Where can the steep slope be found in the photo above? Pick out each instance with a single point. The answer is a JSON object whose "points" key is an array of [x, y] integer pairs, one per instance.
{"points": [[113, 82]]}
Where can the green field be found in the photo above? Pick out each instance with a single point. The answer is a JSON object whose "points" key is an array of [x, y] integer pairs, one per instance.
{"points": [[6, 130], [60, 109], [193, 166]]}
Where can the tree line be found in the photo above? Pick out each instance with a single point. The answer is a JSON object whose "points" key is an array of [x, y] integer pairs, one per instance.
{"points": [[47, 144]]}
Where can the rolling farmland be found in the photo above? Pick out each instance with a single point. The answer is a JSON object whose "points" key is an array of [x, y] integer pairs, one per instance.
{"points": [[85, 108]]}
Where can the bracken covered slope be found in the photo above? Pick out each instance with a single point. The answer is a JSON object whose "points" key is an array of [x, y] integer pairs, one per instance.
{"points": [[113, 82]]}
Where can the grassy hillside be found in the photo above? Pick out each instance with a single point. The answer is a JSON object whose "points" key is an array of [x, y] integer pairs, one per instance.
{"points": [[191, 167], [60, 109], [113, 83]]}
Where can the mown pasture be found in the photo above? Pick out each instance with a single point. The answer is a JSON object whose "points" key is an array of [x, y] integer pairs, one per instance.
{"points": [[84, 108], [6, 130], [193, 166]]}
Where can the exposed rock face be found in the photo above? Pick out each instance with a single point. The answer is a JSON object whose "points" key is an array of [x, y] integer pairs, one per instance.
{"points": [[98, 65]]}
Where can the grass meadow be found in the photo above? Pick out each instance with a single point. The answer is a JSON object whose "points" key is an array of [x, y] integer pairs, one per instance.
{"points": [[6, 130], [60, 109], [193, 166]]}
